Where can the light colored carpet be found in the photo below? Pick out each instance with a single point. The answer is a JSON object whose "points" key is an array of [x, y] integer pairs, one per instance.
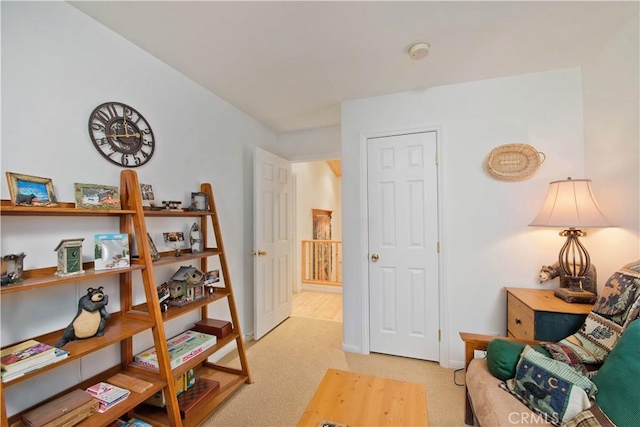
{"points": [[288, 364]]}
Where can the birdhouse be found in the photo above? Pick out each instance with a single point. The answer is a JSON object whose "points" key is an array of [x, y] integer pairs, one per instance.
{"points": [[69, 257]]}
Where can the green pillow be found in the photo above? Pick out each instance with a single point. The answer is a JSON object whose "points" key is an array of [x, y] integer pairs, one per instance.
{"points": [[618, 379], [503, 357]]}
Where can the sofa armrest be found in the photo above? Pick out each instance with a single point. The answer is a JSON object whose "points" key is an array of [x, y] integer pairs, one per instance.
{"points": [[480, 342]]}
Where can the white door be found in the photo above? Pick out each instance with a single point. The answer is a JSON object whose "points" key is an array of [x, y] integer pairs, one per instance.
{"points": [[403, 245], [273, 241]]}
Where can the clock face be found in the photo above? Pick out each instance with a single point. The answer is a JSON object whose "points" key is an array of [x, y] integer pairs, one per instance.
{"points": [[121, 134]]}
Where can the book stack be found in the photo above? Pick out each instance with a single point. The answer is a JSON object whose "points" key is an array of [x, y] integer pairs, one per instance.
{"points": [[28, 356], [182, 348], [107, 394]]}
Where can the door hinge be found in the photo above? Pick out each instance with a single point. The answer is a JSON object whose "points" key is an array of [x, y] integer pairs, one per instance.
{"points": [[439, 335], [437, 160], [438, 247]]}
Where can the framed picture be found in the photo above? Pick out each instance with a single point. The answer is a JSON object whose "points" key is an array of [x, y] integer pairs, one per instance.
{"points": [[111, 251], [95, 196], [146, 190], [199, 202], [27, 190], [173, 237]]}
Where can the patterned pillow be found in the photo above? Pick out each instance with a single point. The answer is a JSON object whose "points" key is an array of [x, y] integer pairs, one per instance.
{"points": [[592, 417], [551, 388], [617, 305]]}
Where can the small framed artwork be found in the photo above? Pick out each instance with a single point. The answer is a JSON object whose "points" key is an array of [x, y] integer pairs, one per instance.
{"points": [[199, 202], [27, 190], [146, 190], [95, 196], [111, 251], [173, 236]]}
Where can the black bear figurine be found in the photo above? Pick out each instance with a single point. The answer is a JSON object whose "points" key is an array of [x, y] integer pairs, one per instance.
{"points": [[91, 318]]}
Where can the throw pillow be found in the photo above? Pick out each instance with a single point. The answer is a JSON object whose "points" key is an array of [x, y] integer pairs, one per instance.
{"points": [[592, 417], [618, 379], [550, 387], [616, 306], [503, 356]]}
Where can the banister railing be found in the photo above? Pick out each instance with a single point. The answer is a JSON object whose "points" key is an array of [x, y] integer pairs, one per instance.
{"points": [[322, 262]]}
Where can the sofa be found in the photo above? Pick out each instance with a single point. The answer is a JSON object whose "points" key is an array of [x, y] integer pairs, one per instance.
{"points": [[600, 363]]}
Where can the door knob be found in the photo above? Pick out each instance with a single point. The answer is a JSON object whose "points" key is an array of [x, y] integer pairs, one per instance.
{"points": [[254, 253], [375, 257], [262, 253]]}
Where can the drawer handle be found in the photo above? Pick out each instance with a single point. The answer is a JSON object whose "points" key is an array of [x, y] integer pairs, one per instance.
{"points": [[518, 321]]}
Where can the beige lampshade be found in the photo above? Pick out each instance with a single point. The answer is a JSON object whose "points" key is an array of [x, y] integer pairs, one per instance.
{"points": [[570, 204]]}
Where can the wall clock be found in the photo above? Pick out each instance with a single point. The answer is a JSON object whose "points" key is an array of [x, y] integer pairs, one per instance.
{"points": [[121, 134]]}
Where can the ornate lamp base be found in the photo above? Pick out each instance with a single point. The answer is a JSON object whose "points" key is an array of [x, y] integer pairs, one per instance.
{"points": [[575, 296]]}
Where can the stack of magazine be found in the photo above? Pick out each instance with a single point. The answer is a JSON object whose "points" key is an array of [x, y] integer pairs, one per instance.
{"points": [[28, 356], [107, 394]]}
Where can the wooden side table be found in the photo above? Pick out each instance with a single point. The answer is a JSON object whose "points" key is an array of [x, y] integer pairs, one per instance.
{"points": [[537, 314]]}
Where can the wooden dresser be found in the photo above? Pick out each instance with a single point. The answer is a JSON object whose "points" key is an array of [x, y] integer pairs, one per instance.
{"points": [[537, 314]]}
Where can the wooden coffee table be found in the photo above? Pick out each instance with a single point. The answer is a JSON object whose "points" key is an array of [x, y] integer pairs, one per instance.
{"points": [[361, 400]]}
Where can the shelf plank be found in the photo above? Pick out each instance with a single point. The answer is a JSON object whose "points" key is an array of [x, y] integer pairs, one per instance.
{"points": [[229, 384], [61, 209], [44, 277], [181, 213], [109, 416], [175, 311], [118, 329], [167, 258]]}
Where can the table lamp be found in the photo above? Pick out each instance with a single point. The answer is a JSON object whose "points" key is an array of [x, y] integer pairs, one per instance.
{"points": [[572, 205]]}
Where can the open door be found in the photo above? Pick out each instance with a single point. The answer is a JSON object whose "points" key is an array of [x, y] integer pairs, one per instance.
{"points": [[273, 241]]}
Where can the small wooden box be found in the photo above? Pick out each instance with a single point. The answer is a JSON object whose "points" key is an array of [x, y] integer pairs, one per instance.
{"points": [[202, 389], [67, 410], [219, 328]]}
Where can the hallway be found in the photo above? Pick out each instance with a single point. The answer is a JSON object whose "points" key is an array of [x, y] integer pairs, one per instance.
{"points": [[318, 305]]}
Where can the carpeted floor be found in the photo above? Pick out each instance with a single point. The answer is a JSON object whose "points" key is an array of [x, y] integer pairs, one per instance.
{"points": [[288, 364]]}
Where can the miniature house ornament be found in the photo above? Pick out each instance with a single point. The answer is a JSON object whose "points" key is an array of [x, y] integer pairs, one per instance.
{"points": [[69, 257]]}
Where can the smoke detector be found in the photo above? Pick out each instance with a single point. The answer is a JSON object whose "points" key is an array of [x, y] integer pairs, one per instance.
{"points": [[419, 50]]}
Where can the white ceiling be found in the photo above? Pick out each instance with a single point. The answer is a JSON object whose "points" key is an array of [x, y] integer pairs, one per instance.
{"points": [[290, 64]]}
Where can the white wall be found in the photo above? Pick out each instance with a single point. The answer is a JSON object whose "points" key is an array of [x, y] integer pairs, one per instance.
{"points": [[57, 65], [486, 243], [310, 144], [317, 188], [612, 144]]}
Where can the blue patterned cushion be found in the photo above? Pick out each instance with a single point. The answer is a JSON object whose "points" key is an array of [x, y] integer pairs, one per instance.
{"points": [[550, 387]]}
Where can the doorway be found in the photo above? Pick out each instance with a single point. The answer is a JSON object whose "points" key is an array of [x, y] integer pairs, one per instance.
{"points": [[317, 239]]}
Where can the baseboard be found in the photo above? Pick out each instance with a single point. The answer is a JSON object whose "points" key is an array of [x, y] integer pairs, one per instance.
{"points": [[351, 348]]}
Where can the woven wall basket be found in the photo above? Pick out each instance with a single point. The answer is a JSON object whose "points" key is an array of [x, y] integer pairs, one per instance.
{"points": [[514, 161]]}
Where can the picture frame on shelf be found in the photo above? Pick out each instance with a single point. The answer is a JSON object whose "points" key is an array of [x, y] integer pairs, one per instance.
{"points": [[199, 202], [29, 190], [174, 239], [111, 250], [146, 190], [96, 196]]}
